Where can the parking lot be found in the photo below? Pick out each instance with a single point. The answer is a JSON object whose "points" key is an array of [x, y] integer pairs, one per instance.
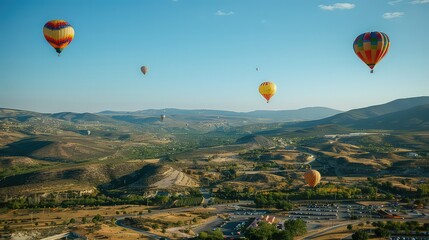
{"points": [[332, 212]]}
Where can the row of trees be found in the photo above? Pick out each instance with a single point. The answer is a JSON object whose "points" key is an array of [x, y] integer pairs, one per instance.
{"points": [[372, 189], [385, 228], [267, 231], [94, 200]]}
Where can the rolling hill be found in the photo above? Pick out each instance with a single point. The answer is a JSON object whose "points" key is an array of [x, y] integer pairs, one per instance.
{"points": [[256, 140], [351, 117], [415, 118], [154, 177]]}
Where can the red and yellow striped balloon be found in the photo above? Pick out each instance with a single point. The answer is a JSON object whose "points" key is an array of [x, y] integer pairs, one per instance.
{"points": [[312, 177], [59, 34], [371, 47], [267, 90]]}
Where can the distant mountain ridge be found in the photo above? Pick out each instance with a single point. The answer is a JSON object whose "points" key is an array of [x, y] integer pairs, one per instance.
{"points": [[303, 114], [415, 118], [351, 117]]}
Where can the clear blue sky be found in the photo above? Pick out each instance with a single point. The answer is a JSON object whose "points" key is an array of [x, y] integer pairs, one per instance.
{"points": [[203, 54]]}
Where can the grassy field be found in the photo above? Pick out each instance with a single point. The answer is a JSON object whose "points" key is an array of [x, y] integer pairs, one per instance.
{"points": [[33, 220]]}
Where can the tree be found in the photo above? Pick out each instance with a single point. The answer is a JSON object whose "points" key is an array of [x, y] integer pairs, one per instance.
{"points": [[72, 220], [97, 218], [381, 232], [296, 227], [211, 235], [349, 227], [360, 235], [203, 235], [84, 220], [283, 235], [265, 231]]}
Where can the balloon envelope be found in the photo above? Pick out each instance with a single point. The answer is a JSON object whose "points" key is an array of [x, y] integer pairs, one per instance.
{"points": [[144, 69], [371, 47], [267, 90], [312, 177], [59, 34], [162, 117]]}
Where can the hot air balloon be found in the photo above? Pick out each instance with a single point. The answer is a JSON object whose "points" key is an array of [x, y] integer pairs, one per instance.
{"points": [[162, 117], [267, 90], [144, 69], [312, 177], [257, 69], [371, 47], [59, 34]]}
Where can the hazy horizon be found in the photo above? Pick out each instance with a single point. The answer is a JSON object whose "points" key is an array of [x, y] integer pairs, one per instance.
{"points": [[210, 109]]}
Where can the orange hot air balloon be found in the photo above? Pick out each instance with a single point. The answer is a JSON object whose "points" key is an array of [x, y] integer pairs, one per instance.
{"points": [[267, 90], [312, 177], [59, 34], [144, 69], [371, 47]]}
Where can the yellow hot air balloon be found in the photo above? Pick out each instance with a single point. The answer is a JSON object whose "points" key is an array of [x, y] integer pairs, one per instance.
{"points": [[267, 90], [59, 34], [144, 69], [312, 177]]}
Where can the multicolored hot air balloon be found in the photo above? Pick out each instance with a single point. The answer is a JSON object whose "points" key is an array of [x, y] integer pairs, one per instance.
{"points": [[312, 177], [144, 69], [267, 90], [371, 47], [59, 34]]}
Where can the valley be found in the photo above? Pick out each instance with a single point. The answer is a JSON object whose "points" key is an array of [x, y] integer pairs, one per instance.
{"points": [[112, 172]]}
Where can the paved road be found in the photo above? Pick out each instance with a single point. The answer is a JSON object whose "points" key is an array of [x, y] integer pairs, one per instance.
{"points": [[58, 236], [328, 229]]}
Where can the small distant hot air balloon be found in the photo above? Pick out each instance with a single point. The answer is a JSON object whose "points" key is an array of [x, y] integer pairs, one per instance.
{"points": [[371, 47], [267, 90], [312, 177], [144, 69], [257, 69], [162, 117], [59, 34]]}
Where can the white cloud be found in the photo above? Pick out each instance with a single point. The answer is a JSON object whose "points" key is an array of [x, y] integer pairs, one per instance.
{"points": [[419, 1], [341, 6], [394, 2], [222, 13], [392, 15]]}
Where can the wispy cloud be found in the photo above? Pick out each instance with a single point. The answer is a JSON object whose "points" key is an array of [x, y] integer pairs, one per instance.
{"points": [[392, 15], [222, 13], [341, 6], [394, 2], [419, 1]]}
